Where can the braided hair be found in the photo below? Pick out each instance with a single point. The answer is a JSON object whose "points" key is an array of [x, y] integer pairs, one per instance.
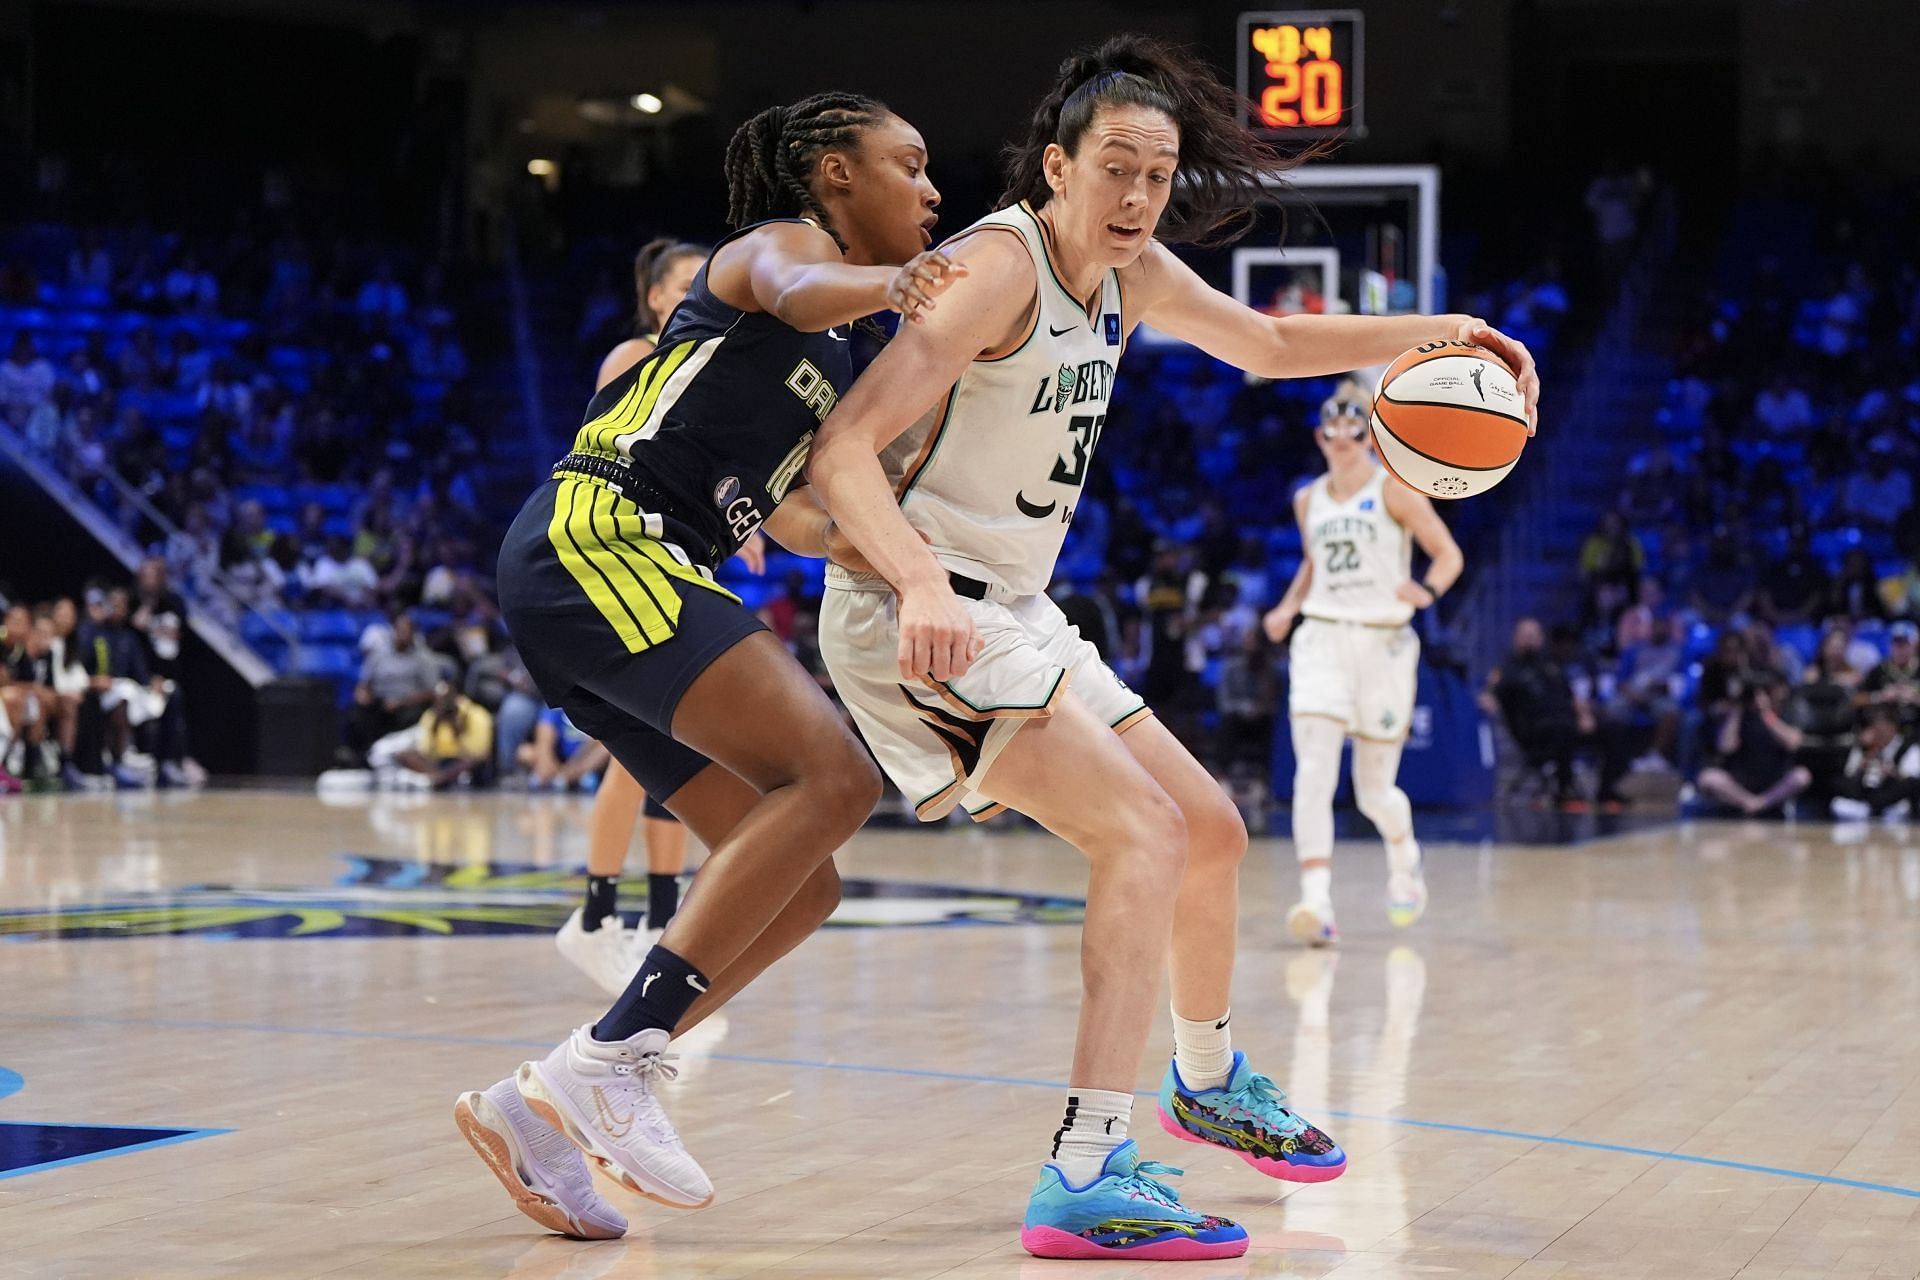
{"points": [[1224, 167], [770, 158], [650, 267]]}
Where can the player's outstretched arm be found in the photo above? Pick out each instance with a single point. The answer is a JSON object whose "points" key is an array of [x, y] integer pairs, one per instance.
{"points": [[917, 367], [794, 272], [1173, 299]]}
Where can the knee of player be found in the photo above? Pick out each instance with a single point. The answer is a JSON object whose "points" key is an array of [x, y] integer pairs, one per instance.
{"points": [[847, 780], [820, 895], [1159, 832], [1216, 833]]}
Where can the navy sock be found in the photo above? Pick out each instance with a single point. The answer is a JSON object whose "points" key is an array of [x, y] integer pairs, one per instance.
{"points": [[663, 899], [658, 996], [603, 900]]}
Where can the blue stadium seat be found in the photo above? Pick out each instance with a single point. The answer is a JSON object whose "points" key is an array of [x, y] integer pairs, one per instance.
{"points": [[330, 626], [1801, 637]]}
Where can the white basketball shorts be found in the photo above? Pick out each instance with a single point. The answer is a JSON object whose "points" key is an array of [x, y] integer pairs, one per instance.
{"points": [[939, 741], [1363, 676]]}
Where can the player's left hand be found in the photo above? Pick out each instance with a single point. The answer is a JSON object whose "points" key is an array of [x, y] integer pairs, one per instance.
{"points": [[753, 553], [925, 277], [1414, 594], [1518, 358]]}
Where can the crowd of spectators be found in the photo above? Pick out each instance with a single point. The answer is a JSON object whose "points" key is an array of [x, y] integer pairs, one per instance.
{"points": [[297, 413], [90, 692], [1749, 604]]}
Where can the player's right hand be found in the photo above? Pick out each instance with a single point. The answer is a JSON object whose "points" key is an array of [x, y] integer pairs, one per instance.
{"points": [[937, 636], [925, 277], [1278, 622]]}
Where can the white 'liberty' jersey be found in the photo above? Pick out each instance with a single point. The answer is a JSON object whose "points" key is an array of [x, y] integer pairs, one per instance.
{"points": [[1360, 554], [991, 474]]}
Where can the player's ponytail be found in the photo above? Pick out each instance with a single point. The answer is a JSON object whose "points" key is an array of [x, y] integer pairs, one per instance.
{"points": [[771, 158], [650, 267], [1224, 168]]}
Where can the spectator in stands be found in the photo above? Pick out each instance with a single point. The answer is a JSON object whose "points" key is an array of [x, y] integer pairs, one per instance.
{"points": [[498, 681], [1643, 706], [252, 579], [1855, 593], [1794, 586], [159, 618], [340, 577], [1895, 683], [1613, 199], [1882, 774], [1531, 692], [396, 685], [115, 664], [560, 757], [1822, 709], [1753, 770], [1611, 562], [1723, 585], [453, 743], [26, 377], [310, 534]]}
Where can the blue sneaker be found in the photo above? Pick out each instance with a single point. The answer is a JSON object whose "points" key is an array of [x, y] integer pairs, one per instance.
{"points": [[1123, 1213], [1249, 1117]]}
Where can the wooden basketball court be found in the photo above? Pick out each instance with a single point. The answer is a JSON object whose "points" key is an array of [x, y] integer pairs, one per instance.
{"points": [[233, 1025]]}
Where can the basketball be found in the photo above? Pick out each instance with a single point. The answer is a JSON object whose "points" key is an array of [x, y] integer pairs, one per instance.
{"points": [[1448, 419]]}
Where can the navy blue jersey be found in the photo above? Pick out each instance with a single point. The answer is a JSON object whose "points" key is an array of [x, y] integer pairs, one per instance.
{"points": [[717, 422]]}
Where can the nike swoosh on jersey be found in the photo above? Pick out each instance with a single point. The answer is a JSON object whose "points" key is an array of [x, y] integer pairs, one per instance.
{"points": [[1061, 332]]}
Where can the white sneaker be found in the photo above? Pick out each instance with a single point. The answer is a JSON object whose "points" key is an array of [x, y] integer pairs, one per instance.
{"points": [[1849, 810], [605, 1098], [1312, 923], [543, 1172], [608, 954], [1406, 896]]}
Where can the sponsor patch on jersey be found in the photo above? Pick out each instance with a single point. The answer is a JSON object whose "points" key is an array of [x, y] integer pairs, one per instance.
{"points": [[724, 492], [1366, 504], [1112, 323]]}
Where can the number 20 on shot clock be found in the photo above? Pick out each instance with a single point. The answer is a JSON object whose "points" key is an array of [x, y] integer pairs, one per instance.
{"points": [[1300, 73]]}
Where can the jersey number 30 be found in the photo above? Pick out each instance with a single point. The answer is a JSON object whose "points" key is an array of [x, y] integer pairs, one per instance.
{"points": [[1086, 434]]}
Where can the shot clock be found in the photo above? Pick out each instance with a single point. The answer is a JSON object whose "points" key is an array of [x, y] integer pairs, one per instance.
{"points": [[1300, 72]]}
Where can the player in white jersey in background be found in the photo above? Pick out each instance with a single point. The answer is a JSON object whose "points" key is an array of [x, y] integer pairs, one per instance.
{"points": [[1355, 658], [952, 467]]}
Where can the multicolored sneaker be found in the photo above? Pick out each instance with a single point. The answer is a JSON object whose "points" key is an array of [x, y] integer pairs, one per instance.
{"points": [[541, 1170], [606, 1099], [1124, 1213], [1312, 923], [1248, 1116], [1406, 896]]}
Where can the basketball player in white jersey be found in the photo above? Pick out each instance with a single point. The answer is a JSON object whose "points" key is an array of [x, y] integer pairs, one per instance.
{"points": [[953, 467], [1355, 657]]}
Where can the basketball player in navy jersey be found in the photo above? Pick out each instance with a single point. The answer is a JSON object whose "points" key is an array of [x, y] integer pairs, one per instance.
{"points": [[607, 585], [594, 939]]}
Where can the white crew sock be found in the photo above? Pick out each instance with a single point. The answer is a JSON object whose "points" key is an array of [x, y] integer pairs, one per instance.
{"points": [[1203, 1050], [1095, 1123], [1316, 886], [1403, 856]]}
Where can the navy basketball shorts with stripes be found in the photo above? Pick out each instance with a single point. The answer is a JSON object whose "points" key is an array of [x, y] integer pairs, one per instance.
{"points": [[613, 623]]}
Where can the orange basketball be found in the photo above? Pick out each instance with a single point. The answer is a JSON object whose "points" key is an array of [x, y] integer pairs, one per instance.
{"points": [[1448, 419]]}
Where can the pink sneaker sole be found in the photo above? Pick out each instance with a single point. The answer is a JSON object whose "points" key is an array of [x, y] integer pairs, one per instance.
{"points": [[1272, 1168], [1052, 1242]]}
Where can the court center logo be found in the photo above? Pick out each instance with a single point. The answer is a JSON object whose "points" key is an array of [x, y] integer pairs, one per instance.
{"points": [[389, 898]]}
